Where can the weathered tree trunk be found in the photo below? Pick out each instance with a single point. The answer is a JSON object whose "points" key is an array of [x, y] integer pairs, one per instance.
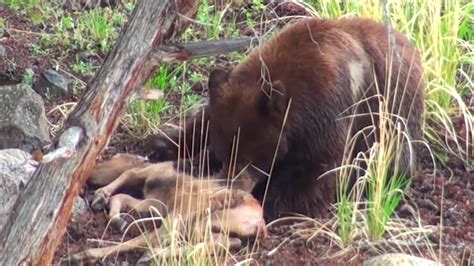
{"points": [[35, 228]]}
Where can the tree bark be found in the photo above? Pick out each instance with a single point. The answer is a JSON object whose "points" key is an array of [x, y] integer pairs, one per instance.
{"points": [[41, 213]]}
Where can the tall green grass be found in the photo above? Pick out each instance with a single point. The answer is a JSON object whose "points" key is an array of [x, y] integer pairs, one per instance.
{"points": [[443, 32]]}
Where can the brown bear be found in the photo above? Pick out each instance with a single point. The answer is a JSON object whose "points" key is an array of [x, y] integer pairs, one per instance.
{"points": [[301, 95]]}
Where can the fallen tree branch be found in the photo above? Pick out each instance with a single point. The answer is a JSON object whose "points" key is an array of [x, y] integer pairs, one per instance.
{"points": [[187, 51]]}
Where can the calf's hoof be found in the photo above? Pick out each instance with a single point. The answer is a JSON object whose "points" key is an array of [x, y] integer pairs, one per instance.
{"points": [[119, 223], [100, 201]]}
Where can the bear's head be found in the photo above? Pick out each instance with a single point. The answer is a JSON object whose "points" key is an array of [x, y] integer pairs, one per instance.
{"points": [[250, 113]]}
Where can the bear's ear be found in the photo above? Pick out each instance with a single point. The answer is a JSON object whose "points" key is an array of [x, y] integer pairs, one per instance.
{"points": [[216, 79], [278, 98]]}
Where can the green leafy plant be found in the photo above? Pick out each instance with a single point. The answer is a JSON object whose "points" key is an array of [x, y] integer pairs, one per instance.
{"points": [[85, 68], [99, 28], [28, 77], [22, 4], [442, 32]]}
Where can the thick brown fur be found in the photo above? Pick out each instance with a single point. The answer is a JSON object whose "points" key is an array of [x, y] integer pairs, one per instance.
{"points": [[175, 195], [323, 71]]}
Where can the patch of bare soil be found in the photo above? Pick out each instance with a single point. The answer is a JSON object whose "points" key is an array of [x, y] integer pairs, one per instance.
{"points": [[19, 34], [92, 231]]}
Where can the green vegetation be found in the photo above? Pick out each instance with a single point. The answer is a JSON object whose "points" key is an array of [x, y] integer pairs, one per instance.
{"points": [[92, 32], [22, 4], [442, 31]]}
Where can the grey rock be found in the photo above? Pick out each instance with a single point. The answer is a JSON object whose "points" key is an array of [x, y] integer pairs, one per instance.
{"points": [[16, 168], [18, 163], [398, 259], [79, 208], [53, 85], [23, 123], [3, 52]]}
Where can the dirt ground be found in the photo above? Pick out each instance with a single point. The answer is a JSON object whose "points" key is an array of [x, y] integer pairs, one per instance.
{"points": [[448, 213], [443, 202]]}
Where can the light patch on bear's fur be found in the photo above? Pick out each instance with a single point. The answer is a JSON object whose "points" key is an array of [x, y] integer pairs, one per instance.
{"points": [[357, 72]]}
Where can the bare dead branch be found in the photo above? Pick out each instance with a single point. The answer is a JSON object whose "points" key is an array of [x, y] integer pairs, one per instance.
{"points": [[187, 51]]}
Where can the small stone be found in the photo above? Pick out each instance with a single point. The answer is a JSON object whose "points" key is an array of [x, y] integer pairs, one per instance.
{"points": [[3, 52], [405, 210], [398, 259], [53, 85], [79, 209], [447, 214], [430, 205]]}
